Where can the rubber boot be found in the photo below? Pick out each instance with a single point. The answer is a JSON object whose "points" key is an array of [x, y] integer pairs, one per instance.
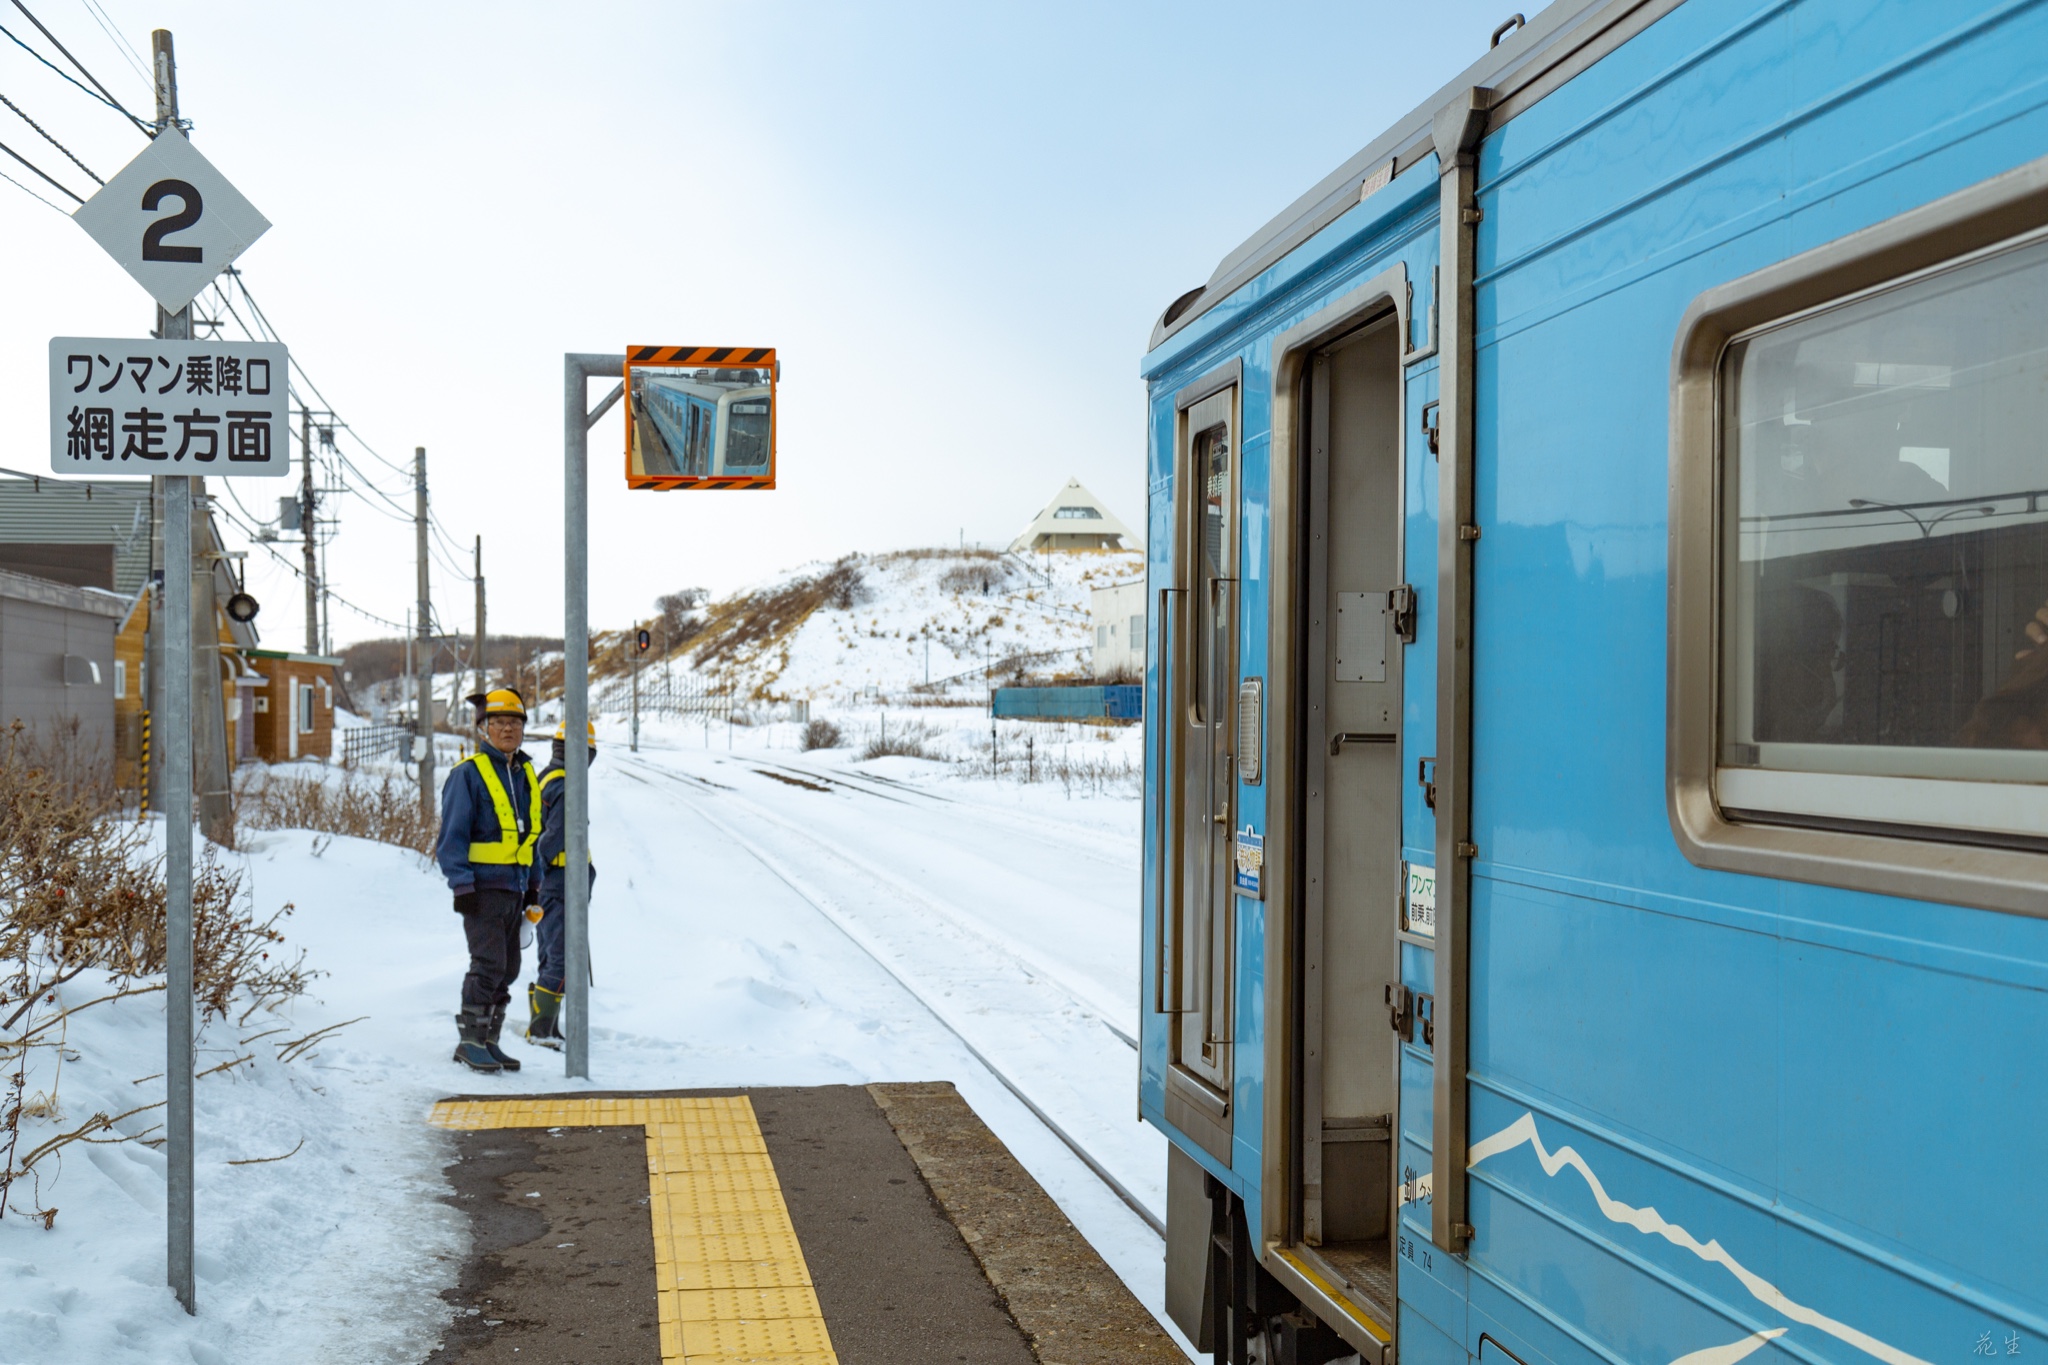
{"points": [[505, 1060], [469, 1047], [545, 1028]]}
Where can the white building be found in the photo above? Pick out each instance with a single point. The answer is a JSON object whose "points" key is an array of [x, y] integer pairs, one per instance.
{"points": [[1119, 612], [1075, 520]]}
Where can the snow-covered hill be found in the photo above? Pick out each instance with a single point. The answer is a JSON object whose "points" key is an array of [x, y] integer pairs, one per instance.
{"points": [[887, 625]]}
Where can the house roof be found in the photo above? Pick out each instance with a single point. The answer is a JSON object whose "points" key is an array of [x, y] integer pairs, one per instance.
{"points": [[1074, 512]]}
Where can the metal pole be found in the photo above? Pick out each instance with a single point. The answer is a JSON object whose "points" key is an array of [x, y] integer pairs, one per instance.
{"points": [[423, 654], [635, 746], [578, 370], [176, 787], [307, 539], [481, 681]]}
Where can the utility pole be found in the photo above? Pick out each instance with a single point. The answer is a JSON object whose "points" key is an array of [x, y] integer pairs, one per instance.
{"points": [[307, 539], [635, 745], [423, 654], [481, 680], [174, 650]]}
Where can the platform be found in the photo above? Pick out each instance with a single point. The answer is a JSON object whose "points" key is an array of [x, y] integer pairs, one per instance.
{"points": [[878, 1225]]}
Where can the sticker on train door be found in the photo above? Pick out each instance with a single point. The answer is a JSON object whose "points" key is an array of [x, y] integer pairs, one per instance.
{"points": [[1249, 878], [1418, 903]]}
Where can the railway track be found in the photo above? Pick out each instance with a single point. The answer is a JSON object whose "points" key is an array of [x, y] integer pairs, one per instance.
{"points": [[848, 925], [1026, 961]]}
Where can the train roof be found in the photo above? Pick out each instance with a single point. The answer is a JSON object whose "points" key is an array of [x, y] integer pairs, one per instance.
{"points": [[1544, 53]]}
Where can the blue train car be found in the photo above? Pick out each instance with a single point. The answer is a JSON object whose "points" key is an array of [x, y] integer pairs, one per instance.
{"points": [[1597, 805], [712, 423]]}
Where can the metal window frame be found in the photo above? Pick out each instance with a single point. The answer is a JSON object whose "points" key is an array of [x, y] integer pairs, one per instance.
{"points": [[1192, 1102], [1920, 864]]}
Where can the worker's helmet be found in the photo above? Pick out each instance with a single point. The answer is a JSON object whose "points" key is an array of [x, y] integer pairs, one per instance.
{"points": [[562, 732], [499, 701]]}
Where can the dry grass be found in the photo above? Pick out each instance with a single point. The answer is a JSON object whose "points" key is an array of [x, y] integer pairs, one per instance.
{"points": [[381, 807], [741, 629], [80, 891], [822, 734], [914, 739]]}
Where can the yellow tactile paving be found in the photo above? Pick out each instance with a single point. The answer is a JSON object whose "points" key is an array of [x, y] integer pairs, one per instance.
{"points": [[728, 1270]]}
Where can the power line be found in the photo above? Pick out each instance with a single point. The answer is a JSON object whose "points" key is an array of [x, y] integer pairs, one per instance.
{"points": [[51, 140], [127, 51], [105, 93], [297, 572], [31, 193], [37, 169]]}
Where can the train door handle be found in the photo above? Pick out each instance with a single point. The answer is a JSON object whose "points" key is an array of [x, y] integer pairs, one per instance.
{"points": [[1352, 737], [1422, 776], [1401, 1010]]}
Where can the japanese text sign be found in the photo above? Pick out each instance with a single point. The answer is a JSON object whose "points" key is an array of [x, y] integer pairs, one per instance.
{"points": [[168, 407], [171, 220]]}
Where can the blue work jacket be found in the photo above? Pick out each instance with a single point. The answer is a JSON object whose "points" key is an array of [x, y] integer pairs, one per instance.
{"points": [[468, 816], [550, 856]]}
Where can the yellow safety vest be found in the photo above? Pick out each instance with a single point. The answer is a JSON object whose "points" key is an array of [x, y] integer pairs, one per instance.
{"points": [[511, 846], [555, 775]]}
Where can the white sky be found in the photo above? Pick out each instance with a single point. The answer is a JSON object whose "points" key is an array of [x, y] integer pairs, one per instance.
{"points": [[956, 223]]}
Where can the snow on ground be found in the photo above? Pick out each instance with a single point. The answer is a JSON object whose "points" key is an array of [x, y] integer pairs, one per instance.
{"points": [[763, 916]]}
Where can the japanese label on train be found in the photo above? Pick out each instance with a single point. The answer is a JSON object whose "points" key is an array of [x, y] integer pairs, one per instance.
{"points": [[168, 407], [1251, 864], [1418, 905]]}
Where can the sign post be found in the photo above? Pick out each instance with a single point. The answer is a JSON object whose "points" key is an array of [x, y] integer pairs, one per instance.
{"points": [[177, 410], [576, 424], [640, 645], [696, 417]]}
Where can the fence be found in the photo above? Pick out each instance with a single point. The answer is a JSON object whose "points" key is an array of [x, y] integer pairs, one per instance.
{"points": [[663, 693], [375, 744], [1116, 702]]}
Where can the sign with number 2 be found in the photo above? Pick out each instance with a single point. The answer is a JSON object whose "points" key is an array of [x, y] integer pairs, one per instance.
{"points": [[171, 220]]}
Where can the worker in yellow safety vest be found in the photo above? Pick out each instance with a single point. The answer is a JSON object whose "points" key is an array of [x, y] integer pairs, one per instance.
{"points": [[490, 821], [544, 996]]}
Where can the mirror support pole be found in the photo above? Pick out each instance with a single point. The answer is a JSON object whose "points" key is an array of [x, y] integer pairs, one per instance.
{"points": [[577, 419]]}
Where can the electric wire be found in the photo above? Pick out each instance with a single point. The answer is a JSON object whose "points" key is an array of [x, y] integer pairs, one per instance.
{"points": [[31, 193], [300, 573], [51, 140], [104, 96], [61, 186], [126, 50]]}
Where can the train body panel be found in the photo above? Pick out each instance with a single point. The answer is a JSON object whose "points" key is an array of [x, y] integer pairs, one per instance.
{"points": [[1708, 1108]]}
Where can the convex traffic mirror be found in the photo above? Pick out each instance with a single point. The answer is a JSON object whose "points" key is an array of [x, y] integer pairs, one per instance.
{"points": [[700, 417]]}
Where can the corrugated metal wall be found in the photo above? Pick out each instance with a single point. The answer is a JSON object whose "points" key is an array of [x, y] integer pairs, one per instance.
{"points": [[46, 512], [37, 639]]}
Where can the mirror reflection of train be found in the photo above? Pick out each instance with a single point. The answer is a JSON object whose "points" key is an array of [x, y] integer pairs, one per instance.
{"points": [[708, 422]]}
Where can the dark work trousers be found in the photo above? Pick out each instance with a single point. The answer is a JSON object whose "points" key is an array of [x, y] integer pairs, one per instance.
{"points": [[493, 929], [553, 923]]}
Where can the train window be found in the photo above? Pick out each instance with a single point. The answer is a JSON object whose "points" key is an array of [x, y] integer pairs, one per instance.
{"points": [[746, 445], [1884, 556], [1212, 457]]}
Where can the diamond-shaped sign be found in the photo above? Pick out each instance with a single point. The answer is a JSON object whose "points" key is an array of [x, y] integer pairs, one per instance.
{"points": [[171, 220]]}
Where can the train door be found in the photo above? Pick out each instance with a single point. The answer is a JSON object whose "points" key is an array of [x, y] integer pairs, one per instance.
{"points": [[1356, 610], [1204, 725]]}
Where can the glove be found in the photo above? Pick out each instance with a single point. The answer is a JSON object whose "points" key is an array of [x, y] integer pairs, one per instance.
{"points": [[465, 902]]}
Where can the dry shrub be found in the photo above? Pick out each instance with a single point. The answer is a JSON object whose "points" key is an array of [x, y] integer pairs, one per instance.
{"points": [[984, 575], [383, 807], [915, 740], [79, 892], [822, 734], [741, 627]]}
